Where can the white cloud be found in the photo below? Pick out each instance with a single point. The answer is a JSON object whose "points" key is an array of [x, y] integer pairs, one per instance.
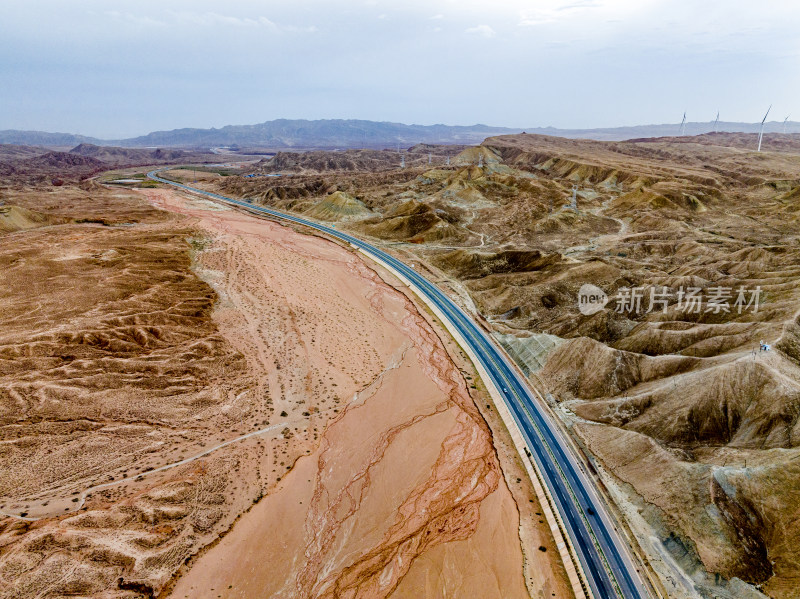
{"points": [[266, 22], [563, 10], [213, 19], [217, 20], [436, 17], [298, 29], [135, 19], [482, 30]]}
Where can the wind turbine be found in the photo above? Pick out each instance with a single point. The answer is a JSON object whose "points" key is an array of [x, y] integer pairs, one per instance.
{"points": [[784, 123], [716, 122], [761, 132], [683, 124]]}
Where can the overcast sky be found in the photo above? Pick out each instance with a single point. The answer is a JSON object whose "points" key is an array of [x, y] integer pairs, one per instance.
{"points": [[124, 68]]}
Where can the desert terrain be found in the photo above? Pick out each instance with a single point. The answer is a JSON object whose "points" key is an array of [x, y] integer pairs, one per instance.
{"points": [[198, 403], [26, 165], [692, 427], [192, 395]]}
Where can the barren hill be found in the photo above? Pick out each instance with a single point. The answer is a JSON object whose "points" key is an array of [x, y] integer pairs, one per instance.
{"points": [[24, 164], [326, 161], [339, 206], [127, 156], [674, 400], [323, 161], [52, 164], [773, 142], [15, 152]]}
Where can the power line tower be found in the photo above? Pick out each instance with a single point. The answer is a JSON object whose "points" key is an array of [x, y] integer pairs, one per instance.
{"points": [[448, 161], [430, 158], [480, 160], [402, 161], [784, 123], [683, 124], [716, 122]]}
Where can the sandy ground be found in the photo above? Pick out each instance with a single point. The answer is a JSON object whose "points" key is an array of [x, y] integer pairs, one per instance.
{"points": [[402, 493]]}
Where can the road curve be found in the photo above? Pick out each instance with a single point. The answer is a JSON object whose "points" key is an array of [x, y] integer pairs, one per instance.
{"points": [[603, 554]]}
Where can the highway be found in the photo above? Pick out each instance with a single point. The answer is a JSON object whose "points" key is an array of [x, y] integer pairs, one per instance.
{"points": [[603, 554]]}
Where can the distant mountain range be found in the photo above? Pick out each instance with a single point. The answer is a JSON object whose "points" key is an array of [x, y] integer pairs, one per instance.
{"points": [[283, 133], [41, 138], [666, 130], [338, 133]]}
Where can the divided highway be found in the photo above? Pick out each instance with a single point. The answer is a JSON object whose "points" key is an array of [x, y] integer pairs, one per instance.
{"points": [[602, 553]]}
